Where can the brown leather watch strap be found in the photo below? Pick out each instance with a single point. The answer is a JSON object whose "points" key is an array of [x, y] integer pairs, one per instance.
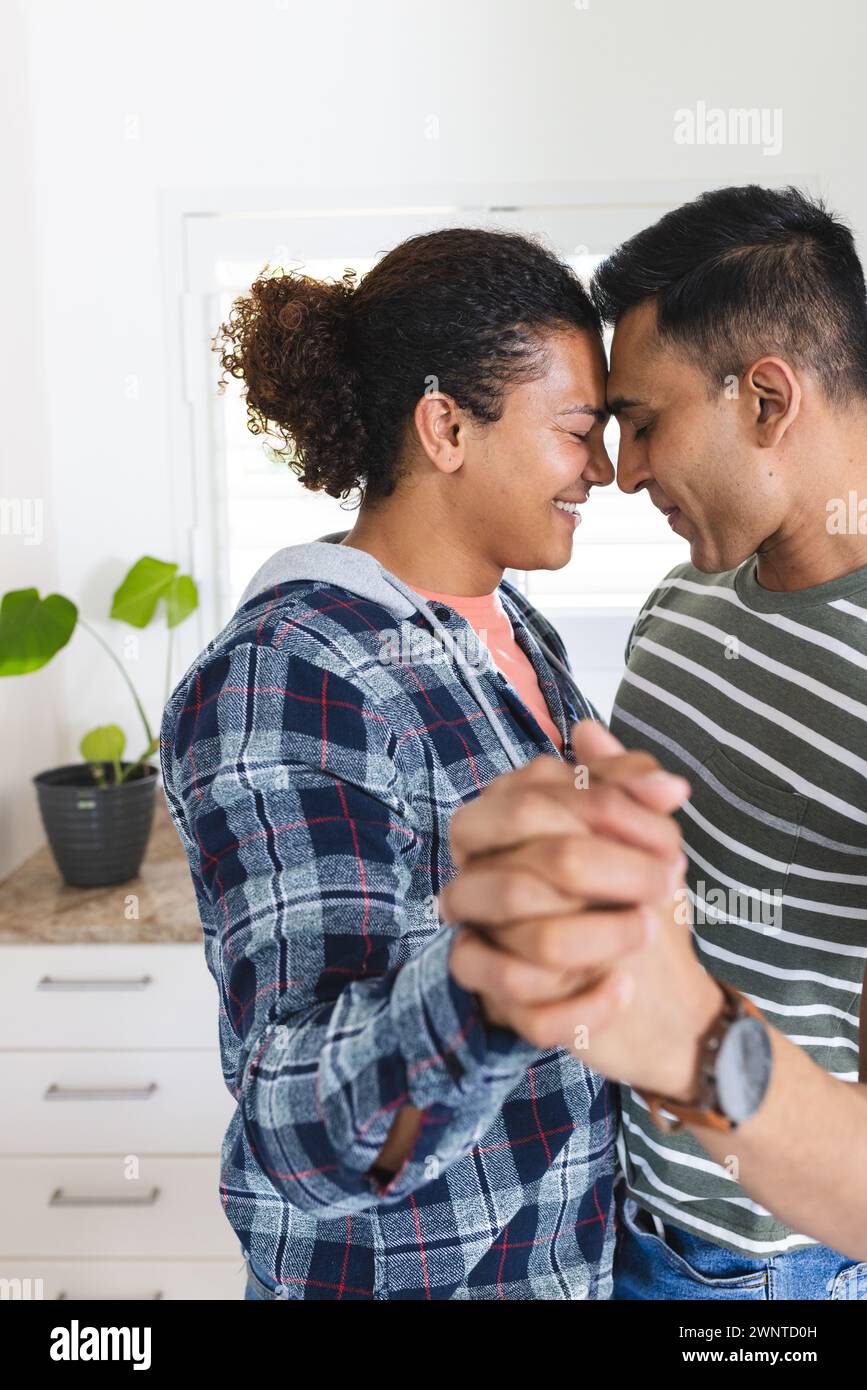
{"points": [[705, 1109]]}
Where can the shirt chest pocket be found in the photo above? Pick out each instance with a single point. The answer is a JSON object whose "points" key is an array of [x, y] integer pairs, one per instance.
{"points": [[740, 834]]}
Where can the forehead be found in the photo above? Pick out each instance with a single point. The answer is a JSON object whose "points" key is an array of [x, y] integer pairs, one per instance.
{"points": [[636, 352], [644, 368], [575, 367]]}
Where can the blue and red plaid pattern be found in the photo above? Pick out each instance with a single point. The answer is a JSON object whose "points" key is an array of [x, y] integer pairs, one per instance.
{"points": [[312, 784]]}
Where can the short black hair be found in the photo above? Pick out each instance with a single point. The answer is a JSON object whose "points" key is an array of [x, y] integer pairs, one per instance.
{"points": [[334, 370], [747, 270]]}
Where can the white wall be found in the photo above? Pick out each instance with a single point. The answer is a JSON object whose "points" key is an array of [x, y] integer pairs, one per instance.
{"points": [[133, 100], [30, 718]]}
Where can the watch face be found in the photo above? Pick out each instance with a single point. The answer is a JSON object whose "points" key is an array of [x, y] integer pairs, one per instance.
{"points": [[743, 1068]]}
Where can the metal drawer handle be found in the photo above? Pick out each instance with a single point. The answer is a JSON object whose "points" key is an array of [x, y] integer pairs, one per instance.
{"points": [[113, 1297], [55, 1092], [59, 1198], [52, 982]]}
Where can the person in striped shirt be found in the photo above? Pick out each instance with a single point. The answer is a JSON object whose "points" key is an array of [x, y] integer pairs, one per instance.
{"points": [[739, 378]]}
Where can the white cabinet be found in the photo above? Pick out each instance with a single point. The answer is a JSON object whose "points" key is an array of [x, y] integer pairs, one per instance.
{"points": [[138, 1280], [107, 996], [122, 1102], [114, 1110]]}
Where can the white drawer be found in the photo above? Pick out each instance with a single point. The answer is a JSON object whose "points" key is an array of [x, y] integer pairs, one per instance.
{"points": [[84, 1208], [113, 1102], [134, 1279], [107, 996]]}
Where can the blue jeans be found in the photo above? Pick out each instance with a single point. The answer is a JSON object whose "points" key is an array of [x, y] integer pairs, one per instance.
{"points": [[260, 1284], [675, 1264]]}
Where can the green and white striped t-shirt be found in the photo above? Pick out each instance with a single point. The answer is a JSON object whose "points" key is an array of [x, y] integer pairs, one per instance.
{"points": [[760, 699]]}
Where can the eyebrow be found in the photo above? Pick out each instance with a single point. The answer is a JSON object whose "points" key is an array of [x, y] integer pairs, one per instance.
{"points": [[621, 403], [598, 414]]}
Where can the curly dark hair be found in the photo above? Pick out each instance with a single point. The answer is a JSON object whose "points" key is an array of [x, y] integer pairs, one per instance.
{"points": [[334, 369]]}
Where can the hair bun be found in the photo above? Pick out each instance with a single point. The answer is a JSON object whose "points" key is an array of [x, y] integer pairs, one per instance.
{"points": [[288, 339]]}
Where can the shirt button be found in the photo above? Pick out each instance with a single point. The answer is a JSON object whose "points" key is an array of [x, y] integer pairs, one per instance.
{"points": [[443, 614]]}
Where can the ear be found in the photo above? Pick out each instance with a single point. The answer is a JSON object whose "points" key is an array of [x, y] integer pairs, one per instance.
{"points": [[441, 431], [775, 399]]}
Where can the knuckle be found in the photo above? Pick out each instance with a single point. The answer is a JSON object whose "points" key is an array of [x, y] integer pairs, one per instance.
{"points": [[655, 880], [568, 859], [608, 801], [540, 768], [513, 980], [672, 830], [645, 762], [529, 811], [548, 946], [512, 893]]}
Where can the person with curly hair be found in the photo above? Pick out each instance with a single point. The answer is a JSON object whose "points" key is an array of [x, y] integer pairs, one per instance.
{"points": [[393, 1137]]}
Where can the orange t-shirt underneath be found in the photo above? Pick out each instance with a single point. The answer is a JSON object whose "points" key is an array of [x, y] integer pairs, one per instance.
{"points": [[487, 616]]}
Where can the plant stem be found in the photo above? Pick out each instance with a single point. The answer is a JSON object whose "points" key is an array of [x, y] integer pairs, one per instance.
{"points": [[123, 776], [168, 668], [119, 664]]}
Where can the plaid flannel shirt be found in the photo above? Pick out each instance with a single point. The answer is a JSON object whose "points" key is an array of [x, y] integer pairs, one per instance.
{"points": [[312, 784]]}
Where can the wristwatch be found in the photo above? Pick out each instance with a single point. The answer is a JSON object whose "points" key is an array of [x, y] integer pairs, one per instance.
{"points": [[734, 1071]]}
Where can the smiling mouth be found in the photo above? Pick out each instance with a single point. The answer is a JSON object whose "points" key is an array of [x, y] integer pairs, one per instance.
{"points": [[569, 508]]}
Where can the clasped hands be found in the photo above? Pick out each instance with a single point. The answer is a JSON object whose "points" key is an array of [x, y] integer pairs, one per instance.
{"points": [[565, 899]]}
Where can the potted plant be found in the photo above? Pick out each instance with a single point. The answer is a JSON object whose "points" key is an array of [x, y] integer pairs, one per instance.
{"points": [[98, 813]]}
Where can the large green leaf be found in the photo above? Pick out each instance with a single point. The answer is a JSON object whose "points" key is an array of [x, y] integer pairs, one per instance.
{"points": [[182, 599], [104, 744], [149, 580], [136, 599], [33, 630]]}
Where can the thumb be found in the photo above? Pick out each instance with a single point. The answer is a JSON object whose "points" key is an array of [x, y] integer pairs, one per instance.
{"points": [[591, 741]]}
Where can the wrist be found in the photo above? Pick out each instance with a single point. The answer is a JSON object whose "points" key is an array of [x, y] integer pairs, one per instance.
{"points": [[680, 1065]]}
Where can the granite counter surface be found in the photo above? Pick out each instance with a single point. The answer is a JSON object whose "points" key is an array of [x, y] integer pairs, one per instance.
{"points": [[158, 905]]}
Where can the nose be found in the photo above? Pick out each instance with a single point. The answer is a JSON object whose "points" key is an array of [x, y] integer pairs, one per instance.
{"points": [[632, 469], [599, 469]]}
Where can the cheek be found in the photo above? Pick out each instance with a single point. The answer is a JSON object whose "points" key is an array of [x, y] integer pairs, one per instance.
{"points": [[560, 466]]}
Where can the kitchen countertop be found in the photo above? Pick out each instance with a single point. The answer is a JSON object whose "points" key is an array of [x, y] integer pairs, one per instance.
{"points": [[36, 906]]}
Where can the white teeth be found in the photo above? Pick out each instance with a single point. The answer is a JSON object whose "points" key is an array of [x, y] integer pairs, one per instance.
{"points": [[570, 507]]}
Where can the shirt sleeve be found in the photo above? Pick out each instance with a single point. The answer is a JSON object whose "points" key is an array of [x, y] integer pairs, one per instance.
{"points": [[335, 981]]}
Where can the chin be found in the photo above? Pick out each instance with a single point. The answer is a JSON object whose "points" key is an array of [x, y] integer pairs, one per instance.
{"points": [[555, 559], [713, 559], [547, 556]]}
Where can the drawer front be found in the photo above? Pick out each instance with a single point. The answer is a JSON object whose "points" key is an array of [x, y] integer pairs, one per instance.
{"points": [[107, 996], [71, 1208], [113, 1102], [140, 1280]]}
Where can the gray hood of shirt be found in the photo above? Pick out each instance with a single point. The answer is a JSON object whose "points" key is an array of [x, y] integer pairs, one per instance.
{"points": [[330, 562]]}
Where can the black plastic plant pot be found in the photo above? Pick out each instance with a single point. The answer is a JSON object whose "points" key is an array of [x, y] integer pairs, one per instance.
{"points": [[97, 834]]}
